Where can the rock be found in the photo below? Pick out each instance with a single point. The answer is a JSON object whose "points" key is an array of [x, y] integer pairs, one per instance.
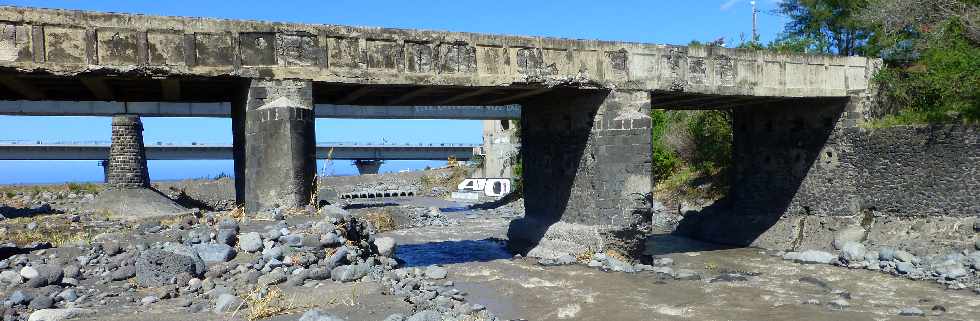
{"points": [[435, 272], [72, 271], [227, 303], [293, 240], [273, 278], [950, 270], [270, 253], [349, 273], [250, 242], [318, 274], [226, 236], [123, 273], [41, 302], [904, 267], [686, 275], [111, 248], [815, 257], [68, 295], [395, 317], [852, 252], [663, 261], [333, 213], [20, 297], [330, 240], [158, 267], [385, 245], [912, 312], [44, 274], [426, 315], [848, 234], [317, 315], [838, 304], [29, 272], [58, 314], [905, 256], [886, 254], [10, 278], [147, 300], [976, 244], [215, 252]]}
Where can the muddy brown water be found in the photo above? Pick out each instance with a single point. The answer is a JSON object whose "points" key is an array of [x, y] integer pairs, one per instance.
{"points": [[521, 289]]}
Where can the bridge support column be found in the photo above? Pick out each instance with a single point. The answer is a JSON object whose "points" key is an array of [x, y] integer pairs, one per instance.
{"points": [[587, 175], [127, 157], [274, 144], [105, 170], [368, 166]]}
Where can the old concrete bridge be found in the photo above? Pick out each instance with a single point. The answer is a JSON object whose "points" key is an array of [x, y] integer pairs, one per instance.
{"points": [[585, 103]]}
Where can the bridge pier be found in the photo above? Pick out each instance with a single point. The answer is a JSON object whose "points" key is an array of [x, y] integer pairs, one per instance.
{"points": [[127, 157], [274, 144], [587, 175], [368, 166]]}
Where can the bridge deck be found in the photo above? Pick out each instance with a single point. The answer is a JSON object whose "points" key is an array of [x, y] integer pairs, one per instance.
{"points": [[76, 55]]}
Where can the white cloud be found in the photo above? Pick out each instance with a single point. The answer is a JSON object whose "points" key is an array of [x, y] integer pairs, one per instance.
{"points": [[729, 4]]}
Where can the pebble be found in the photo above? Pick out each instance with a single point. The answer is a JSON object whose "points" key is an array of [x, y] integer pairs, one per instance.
{"points": [[385, 245], [317, 315], [852, 252], [227, 303], [839, 304], [29, 272], [41, 302], [912, 312], [250, 242], [435, 272]]}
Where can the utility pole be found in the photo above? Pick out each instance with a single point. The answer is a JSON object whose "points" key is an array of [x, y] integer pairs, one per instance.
{"points": [[755, 22]]}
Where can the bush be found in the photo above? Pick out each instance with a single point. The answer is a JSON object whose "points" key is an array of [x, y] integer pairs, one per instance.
{"points": [[941, 86]]}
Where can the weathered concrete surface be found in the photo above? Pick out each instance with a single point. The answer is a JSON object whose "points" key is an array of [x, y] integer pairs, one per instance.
{"points": [[500, 149], [279, 145], [587, 173], [65, 42]]}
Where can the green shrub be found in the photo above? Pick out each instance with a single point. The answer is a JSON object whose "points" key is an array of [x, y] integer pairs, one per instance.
{"points": [[712, 134], [665, 160]]}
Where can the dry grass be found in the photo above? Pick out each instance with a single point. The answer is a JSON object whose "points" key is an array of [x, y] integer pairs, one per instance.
{"points": [[447, 182], [271, 303], [617, 255], [382, 221], [586, 256], [58, 236]]}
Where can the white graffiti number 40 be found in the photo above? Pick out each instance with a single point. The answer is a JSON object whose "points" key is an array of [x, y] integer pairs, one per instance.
{"points": [[495, 187]]}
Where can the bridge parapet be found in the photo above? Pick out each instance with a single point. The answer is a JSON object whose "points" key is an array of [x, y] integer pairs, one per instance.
{"points": [[70, 43]]}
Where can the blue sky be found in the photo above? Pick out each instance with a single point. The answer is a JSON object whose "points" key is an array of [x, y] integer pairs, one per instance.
{"points": [[651, 21]]}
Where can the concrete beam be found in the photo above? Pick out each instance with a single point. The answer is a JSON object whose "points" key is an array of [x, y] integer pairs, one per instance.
{"points": [[179, 109], [216, 152], [474, 93]]}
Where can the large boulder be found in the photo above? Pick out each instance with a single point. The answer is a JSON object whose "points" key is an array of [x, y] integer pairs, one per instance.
{"points": [[158, 267], [215, 252], [317, 315], [250, 242], [852, 252], [385, 245], [58, 314]]}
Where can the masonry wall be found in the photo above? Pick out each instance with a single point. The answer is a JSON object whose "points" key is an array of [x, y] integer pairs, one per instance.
{"points": [[127, 157], [802, 173]]}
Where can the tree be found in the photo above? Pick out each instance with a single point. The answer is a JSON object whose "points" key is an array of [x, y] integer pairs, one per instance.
{"points": [[825, 26]]}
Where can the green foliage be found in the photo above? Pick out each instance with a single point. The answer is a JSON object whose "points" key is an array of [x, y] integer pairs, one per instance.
{"points": [[712, 134], [942, 85], [665, 160], [517, 163], [83, 187], [826, 26], [691, 153]]}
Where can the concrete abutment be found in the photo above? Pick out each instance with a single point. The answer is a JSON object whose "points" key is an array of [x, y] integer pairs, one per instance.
{"points": [[275, 145], [587, 173]]}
